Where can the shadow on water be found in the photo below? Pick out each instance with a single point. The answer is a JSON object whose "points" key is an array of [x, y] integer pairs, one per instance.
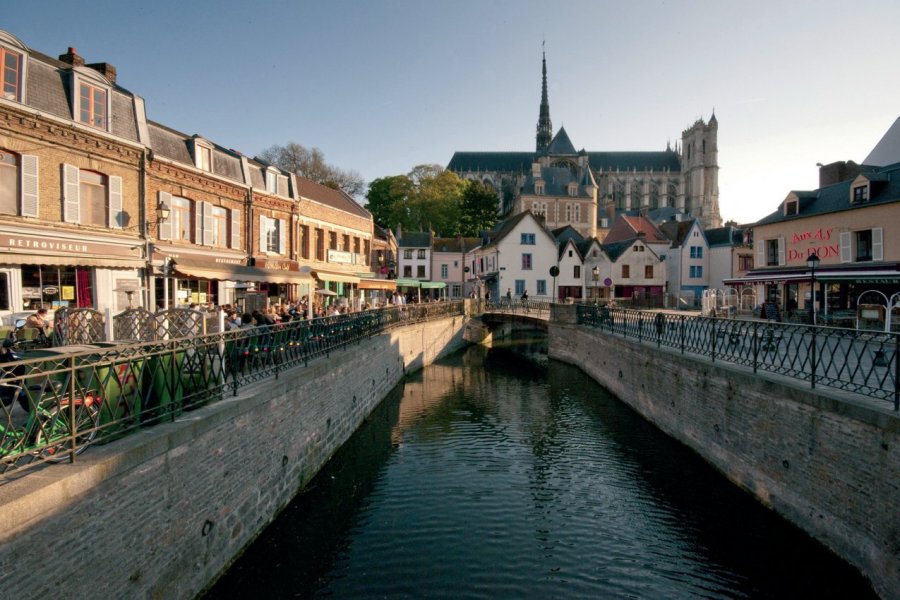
{"points": [[500, 473]]}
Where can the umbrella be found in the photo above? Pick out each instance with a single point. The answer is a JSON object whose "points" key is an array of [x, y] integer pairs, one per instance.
{"points": [[326, 293]]}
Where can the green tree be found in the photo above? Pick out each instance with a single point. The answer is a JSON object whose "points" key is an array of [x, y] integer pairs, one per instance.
{"points": [[310, 163], [438, 199], [480, 204], [389, 199]]}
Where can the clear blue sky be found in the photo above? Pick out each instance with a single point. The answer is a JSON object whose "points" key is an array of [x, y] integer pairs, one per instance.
{"points": [[382, 86]]}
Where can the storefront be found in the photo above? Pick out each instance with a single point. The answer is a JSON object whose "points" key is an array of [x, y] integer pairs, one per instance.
{"points": [[374, 292], [341, 284], [61, 269]]}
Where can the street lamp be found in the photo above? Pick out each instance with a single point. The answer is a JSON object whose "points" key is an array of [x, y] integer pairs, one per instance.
{"points": [[812, 261], [595, 277]]}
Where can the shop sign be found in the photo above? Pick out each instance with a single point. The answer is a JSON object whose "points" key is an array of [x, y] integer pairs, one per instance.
{"points": [[340, 256], [813, 240], [28, 243], [50, 290], [277, 265]]}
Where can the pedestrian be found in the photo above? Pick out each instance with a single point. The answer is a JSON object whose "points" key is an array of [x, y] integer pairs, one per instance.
{"points": [[509, 297]]}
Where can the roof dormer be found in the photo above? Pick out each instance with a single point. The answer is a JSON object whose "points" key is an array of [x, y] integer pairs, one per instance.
{"points": [[203, 151], [791, 205], [864, 187], [12, 75]]}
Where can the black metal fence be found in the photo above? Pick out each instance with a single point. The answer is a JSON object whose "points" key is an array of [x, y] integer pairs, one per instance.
{"points": [[851, 360], [57, 401]]}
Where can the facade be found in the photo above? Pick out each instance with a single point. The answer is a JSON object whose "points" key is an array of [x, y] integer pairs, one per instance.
{"points": [[685, 179], [448, 258], [101, 208], [571, 279], [730, 254], [687, 261], [414, 249], [636, 271]]}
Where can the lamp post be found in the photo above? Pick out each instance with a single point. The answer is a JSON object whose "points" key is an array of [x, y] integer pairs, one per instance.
{"points": [[595, 278], [812, 261]]}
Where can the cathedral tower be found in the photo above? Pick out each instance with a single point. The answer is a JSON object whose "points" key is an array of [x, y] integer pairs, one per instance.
{"points": [[544, 127], [700, 168]]}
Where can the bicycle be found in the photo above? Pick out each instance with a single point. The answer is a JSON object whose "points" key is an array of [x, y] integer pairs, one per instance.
{"points": [[47, 432]]}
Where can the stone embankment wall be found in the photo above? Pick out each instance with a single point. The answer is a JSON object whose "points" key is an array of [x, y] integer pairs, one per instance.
{"points": [[830, 465], [161, 513]]}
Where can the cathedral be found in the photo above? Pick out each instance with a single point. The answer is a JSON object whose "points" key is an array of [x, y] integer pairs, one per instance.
{"points": [[584, 189]]}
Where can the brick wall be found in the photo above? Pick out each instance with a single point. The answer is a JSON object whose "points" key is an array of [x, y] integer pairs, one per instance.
{"points": [[161, 513], [830, 465]]}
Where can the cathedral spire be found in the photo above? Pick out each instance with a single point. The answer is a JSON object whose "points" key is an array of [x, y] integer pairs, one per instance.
{"points": [[544, 127]]}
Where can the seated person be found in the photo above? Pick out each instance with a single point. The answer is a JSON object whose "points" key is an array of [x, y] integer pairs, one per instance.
{"points": [[11, 391]]}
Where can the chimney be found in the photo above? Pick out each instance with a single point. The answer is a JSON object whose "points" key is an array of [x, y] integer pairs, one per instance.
{"points": [[105, 69], [71, 57], [836, 172]]}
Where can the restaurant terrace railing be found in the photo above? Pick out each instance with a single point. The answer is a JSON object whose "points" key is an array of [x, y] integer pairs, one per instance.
{"points": [[57, 401], [850, 360]]}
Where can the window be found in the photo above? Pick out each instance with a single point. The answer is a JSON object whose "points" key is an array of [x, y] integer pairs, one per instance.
{"points": [[790, 208], [527, 239], [445, 271], [4, 291], [356, 244], [203, 157], [526, 262], [577, 213], [520, 286], [407, 271], [12, 74], [541, 287], [576, 272], [861, 193], [92, 199], [539, 188], [420, 271], [573, 190], [180, 219], [271, 181], [568, 212], [745, 263], [272, 236], [626, 271], [219, 227], [696, 251], [304, 241], [421, 254], [92, 105], [9, 183], [648, 271], [407, 254], [696, 272], [332, 240], [772, 252], [345, 240], [863, 245], [320, 244]]}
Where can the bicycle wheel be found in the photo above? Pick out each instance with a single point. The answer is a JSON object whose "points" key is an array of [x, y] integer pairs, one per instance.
{"points": [[54, 430]]}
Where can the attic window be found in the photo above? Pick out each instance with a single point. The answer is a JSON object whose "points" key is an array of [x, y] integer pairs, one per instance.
{"points": [[271, 181], [861, 193], [92, 106], [790, 208], [11, 74], [202, 156], [573, 190], [539, 188]]}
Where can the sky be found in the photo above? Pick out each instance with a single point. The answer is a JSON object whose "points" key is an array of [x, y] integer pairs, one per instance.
{"points": [[384, 85]]}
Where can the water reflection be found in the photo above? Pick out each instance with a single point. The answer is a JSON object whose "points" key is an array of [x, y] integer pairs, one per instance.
{"points": [[499, 473]]}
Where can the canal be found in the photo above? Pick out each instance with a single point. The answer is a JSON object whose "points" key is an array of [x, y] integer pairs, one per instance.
{"points": [[502, 474]]}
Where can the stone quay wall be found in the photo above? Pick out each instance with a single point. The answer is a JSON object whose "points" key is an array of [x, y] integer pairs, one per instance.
{"points": [[163, 512], [827, 463]]}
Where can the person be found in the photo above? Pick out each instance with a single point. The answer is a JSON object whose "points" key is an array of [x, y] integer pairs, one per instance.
{"points": [[525, 299], [509, 297], [39, 321]]}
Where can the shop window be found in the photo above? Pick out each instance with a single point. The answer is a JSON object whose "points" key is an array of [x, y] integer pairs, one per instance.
{"points": [[11, 74], [4, 291], [93, 106], [56, 287]]}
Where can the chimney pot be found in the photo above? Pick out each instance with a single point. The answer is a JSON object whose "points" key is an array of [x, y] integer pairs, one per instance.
{"points": [[71, 57]]}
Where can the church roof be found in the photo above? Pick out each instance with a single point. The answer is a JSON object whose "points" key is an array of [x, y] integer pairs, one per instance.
{"points": [[561, 144], [556, 182], [635, 161], [513, 162], [491, 161]]}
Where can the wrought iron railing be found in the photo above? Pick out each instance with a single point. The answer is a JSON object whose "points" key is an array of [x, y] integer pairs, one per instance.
{"points": [[56, 402], [861, 362], [533, 305]]}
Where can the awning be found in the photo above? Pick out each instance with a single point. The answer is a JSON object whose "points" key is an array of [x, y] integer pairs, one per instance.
{"points": [[433, 285], [861, 276], [377, 284], [226, 272], [335, 276], [401, 282], [72, 261], [771, 278]]}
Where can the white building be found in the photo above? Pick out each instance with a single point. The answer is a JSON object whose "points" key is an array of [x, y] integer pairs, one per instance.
{"points": [[687, 270], [448, 263]]}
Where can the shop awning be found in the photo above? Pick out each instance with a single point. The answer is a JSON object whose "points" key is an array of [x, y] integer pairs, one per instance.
{"points": [[322, 275], [401, 282], [226, 272], [861, 276], [433, 285], [377, 284], [72, 261], [771, 278]]}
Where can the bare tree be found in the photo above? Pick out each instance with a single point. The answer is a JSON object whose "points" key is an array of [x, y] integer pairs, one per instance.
{"points": [[310, 163]]}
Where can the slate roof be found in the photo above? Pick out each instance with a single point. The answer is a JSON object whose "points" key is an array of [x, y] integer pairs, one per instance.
{"points": [[562, 249], [561, 144], [566, 233], [491, 161], [599, 161], [616, 249], [725, 236], [556, 182], [307, 188], [455, 244], [885, 189], [415, 239], [677, 231], [502, 229], [177, 146]]}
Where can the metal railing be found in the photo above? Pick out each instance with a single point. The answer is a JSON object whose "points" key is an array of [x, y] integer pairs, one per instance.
{"points": [[533, 305], [850, 360], [56, 402]]}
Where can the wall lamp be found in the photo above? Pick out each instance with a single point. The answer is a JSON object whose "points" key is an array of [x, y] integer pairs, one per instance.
{"points": [[163, 211]]}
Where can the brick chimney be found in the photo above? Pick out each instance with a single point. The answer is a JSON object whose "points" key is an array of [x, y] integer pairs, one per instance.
{"points": [[71, 57], [105, 69], [836, 172]]}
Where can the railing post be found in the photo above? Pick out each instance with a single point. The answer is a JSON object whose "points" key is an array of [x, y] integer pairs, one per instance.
{"points": [[681, 317], [812, 362], [897, 371], [755, 338], [73, 427], [713, 336]]}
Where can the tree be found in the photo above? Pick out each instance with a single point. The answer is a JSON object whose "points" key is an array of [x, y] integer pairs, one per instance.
{"points": [[427, 197], [388, 201], [310, 163], [480, 204]]}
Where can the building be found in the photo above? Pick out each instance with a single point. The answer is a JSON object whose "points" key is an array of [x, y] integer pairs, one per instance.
{"points": [[687, 261], [851, 227], [448, 258], [574, 187]]}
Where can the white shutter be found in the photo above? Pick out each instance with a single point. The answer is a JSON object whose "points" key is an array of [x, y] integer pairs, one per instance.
{"points": [[262, 233], [209, 224], [781, 251], [165, 227], [846, 255], [877, 243], [282, 237], [71, 192], [115, 202], [29, 206], [198, 222], [235, 228]]}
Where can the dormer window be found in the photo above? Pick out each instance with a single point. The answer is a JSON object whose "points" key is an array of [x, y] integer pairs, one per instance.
{"points": [[539, 188], [573, 190], [11, 75], [271, 181], [790, 208], [861, 193], [202, 156], [93, 105]]}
